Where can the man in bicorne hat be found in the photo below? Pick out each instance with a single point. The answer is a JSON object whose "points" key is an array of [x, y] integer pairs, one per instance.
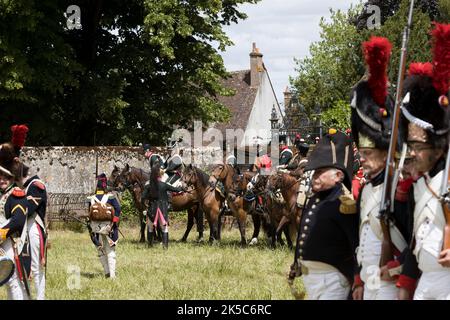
{"points": [[329, 223]]}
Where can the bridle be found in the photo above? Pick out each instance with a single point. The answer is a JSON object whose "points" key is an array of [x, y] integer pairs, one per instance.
{"points": [[193, 174]]}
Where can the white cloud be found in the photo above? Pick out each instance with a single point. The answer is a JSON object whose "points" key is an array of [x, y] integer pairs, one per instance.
{"points": [[282, 30]]}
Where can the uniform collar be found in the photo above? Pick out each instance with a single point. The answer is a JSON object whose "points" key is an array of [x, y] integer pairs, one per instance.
{"points": [[330, 193], [438, 167], [100, 192], [378, 179], [29, 180]]}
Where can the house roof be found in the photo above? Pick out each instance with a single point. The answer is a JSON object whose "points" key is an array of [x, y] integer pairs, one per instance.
{"points": [[241, 104]]}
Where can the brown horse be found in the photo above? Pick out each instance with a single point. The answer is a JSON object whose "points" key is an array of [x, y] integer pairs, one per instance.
{"points": [[273, 211], [230, 177], [259, 218], [134, 180], [288, 186], [209, 198]]}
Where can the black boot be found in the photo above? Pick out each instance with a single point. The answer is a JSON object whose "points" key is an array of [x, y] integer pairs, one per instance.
{"points": [[150, 237], [165, 240]]}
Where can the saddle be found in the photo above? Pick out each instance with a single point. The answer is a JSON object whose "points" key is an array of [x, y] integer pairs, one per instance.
{"points": [[220, 188]]}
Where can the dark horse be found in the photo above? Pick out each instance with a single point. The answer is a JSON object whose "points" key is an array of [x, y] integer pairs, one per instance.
{"points": [[134, 179]]}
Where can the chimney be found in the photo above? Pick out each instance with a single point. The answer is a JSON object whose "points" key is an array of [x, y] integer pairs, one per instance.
{"points": [[287, 98], [256, 66]]}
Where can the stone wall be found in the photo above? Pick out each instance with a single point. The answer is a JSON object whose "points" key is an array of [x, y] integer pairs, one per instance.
{"points": [[72, 169]]}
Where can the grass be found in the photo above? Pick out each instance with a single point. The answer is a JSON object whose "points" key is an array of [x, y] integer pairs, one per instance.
{"points": [[186, 271]]}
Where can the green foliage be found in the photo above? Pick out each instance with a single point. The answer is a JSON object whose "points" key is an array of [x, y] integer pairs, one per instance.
{"points": [[334, 66], [336, 62], [444, 10], [129, 211], [134, 70], [338, 116]]}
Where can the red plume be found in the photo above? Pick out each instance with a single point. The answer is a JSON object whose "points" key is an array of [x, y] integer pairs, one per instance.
{"points": [[377, 52], [421, 69], [441, 57], [19, 134]]}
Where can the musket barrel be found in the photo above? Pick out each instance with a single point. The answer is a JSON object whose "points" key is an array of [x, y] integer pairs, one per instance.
{"points": [[386, 251]]}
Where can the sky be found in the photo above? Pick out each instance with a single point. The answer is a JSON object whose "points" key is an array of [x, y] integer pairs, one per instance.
{"points": [[282, 30]]}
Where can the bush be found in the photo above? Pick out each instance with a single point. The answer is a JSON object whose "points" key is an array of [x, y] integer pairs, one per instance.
{"points": [[129, 210]]}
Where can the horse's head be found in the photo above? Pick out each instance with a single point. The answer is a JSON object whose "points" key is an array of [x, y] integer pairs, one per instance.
{"points": [[220, 172], [275, 182], [122, 179], [113, 176], [189, 176]]}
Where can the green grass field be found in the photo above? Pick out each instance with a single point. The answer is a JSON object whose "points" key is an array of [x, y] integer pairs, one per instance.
{"points": [[186, 271]]}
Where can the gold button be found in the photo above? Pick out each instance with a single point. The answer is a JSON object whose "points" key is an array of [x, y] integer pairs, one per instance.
{"points": [[306, 228]]}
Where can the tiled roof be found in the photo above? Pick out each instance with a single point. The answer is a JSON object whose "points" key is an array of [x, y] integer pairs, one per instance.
{"points": [[241, 104]]}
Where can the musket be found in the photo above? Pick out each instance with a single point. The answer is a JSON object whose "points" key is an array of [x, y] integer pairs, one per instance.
{"points": [[294, 267], [385, 205], [19, 261], [445, 199]]}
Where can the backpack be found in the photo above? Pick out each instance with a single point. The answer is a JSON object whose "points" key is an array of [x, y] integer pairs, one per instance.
{"points": [[100, 210]]}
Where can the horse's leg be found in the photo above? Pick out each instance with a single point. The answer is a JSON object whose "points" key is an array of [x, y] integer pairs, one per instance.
{"points": [[242, 219], [143, 225], [256, 228], [211, 231], [200, 223], [190, 223], [273, 235], [221, 214], [288, 236], [280, 237]]}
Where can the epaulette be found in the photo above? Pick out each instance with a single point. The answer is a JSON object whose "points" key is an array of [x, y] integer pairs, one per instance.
{"points": [[18, 193], [39, 184], [348, 204]]}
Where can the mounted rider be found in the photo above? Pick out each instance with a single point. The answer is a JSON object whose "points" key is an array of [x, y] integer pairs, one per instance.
{"points": [[299, 159]]}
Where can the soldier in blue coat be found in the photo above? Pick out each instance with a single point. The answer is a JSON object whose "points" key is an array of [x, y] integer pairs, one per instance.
{"points": [[37, 204], [106, 234], [328, 234], [13, 212]]}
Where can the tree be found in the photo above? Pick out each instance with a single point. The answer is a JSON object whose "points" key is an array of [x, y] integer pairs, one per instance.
{"points": [[336, 63], [337, 117], [135, 70], [333, 67], [388, 8]]}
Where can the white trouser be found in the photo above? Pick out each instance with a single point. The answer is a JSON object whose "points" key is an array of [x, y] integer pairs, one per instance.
{"points": [[331, 285], [107, 255], [434, 285], [15, 287], [37, 269], [386, 290]]}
